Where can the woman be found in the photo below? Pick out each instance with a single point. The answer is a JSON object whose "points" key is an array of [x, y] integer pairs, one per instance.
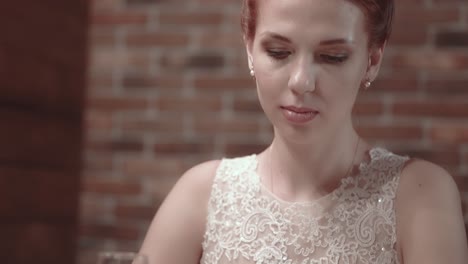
{"points": [[319, 193]]}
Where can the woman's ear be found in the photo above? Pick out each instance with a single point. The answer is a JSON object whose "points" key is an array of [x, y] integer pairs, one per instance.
{"points": [[375, 60], [248, 47]]}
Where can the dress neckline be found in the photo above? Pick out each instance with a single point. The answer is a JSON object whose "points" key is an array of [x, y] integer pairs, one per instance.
{"points": [[371, 155]]}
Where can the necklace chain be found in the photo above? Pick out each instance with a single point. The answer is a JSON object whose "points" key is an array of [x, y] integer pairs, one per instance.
{"points": [[345, 175]]}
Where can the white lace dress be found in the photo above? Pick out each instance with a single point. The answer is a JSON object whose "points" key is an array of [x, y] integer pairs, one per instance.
{"points": [[353, 224]]}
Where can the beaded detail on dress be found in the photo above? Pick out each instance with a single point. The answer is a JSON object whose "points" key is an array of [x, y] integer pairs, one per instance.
{"points": [[353, 224]]}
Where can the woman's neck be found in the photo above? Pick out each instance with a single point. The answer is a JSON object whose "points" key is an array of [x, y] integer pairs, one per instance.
{"points": [[299, 172]]}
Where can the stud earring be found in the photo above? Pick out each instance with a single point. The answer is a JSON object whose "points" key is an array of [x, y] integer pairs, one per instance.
{"points": [[252, 72], [367, 84]]}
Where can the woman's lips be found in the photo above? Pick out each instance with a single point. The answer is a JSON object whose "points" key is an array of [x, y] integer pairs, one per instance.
{"points": [[298, 115]]}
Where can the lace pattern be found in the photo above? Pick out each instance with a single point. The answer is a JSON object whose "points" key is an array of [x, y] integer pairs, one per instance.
{"points": [[353, 224]]}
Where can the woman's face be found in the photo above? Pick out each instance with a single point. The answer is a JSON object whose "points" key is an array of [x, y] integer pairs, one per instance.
{"points": [[310, 59]]}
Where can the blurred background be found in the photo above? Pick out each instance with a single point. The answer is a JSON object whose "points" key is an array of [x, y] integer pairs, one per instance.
{"points": [[105, 103]]}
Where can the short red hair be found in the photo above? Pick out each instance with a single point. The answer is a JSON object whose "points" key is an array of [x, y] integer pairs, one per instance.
{"points": [[378, 13]]}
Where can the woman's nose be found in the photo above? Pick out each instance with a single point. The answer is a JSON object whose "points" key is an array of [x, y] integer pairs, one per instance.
{"points": [[302, 79]]}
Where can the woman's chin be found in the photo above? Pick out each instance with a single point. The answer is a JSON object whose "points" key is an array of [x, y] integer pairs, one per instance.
{"points": [[304, 135]]}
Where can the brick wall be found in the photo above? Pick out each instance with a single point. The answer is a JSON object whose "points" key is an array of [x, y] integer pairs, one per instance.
{"points": [[42, 87], [169, 87]]}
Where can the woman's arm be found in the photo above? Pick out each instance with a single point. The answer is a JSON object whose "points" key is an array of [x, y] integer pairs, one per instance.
{"points": [[430, 226], [176, 232]]}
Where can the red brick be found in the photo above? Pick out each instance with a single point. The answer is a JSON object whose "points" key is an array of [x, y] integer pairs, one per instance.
{"points": [[104, 5], [152, 167], [455, 3], [183, 148], [416, 15], [452, 39], [111, 187], [102, 163], [99, 84], [173, 62], [153, 126], [446, 157], [177, 61], [244, 105], [161, 186], [114, 145], [412, 36], [395, 83], [157, 39], [98, 121], [103, 62], [222, 84], [109, 232], [223, 40], [93, 206], [409, 3], [187, 105], [153, 83], [118, 18], [87, 252], [152, 3], [190, 19], [431, 60], [368, 108], [391, 132], [412, 13], [240, 64], [464, 157], [449, 132], [430, 108], [447, 85], [420, 20], [117, 104], [205, 60], [99, 39], [136, 212], [136, 62], [226, 126], [216, 2], [241, 149]]}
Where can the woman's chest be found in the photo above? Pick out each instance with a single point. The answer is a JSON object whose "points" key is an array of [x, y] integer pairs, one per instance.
{"points": [[262, 230]]}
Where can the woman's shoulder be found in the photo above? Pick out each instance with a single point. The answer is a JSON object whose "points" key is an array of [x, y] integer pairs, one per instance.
{"points": [[424, 186], [200, 177], [423, 183], [182, 212], [421, 177], [429, 215]]}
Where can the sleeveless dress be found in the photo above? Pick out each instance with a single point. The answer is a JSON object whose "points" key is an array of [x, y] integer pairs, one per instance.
{"points": [[355, 223]]}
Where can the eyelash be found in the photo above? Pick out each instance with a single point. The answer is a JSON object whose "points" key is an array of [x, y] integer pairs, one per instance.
{"points": [[278, 54], [333, 59], [281, 55]]}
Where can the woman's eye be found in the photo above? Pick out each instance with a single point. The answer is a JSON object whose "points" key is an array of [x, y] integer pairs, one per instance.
{"points": [[333, 58], [278, 54]]}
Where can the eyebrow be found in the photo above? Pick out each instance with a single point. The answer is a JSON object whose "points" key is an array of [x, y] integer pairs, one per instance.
{"points": [[336, 41], [276, 36], [323, 42]]}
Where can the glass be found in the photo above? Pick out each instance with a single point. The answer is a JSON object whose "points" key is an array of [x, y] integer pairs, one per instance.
{"points": [[116, 257]]}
